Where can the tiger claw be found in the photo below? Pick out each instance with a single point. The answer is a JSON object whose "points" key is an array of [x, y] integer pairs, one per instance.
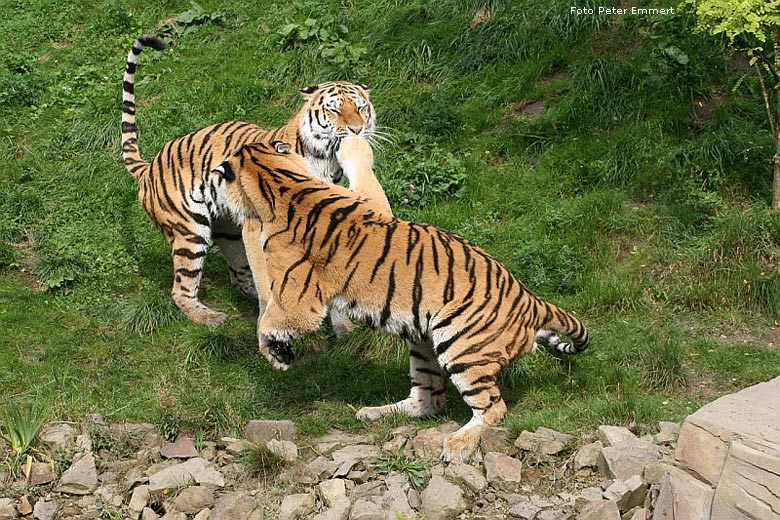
{"points": [[279, 353]]}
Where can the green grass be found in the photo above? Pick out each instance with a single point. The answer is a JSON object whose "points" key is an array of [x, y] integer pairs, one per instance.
{"points": [[610, 202]]}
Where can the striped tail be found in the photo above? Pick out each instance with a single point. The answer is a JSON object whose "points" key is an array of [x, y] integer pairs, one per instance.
{"points": [[558, 321], [132, 157]]}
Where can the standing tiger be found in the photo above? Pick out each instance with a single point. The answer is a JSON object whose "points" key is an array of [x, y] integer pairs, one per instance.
{"points": [[464, 314], [190, 210]]}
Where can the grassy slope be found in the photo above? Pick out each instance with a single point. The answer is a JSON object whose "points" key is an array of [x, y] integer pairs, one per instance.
{"points": [[610, 202]]}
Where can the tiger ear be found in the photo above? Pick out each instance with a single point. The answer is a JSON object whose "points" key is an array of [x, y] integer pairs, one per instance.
{"points": [[365, 87], [306, 92], [281, 147]]}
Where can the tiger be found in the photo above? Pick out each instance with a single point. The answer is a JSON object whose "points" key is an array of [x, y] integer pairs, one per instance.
{"points": [[463, 314], [175, 190]]}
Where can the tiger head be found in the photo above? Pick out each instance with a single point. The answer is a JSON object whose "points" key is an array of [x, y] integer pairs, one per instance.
{"points": [[333, 111]]}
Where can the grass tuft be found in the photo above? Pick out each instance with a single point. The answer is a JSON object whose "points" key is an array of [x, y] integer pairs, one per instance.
{"points": [[258, 460], [148, 313]]}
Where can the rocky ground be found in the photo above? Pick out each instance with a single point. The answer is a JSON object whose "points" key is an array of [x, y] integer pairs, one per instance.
{"points": [[94, 470]]}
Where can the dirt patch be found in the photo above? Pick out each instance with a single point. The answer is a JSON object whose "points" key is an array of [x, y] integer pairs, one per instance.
{"points": [[527, 110], [703, 109]]}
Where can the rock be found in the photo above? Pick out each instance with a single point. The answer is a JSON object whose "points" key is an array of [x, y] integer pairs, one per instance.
{"points": [[183, 448], [234, 446], [441, 499], [750, 482], [611, 435], [524, 510], [59, 437], [109, 495], [7, 509], [236, 505], [339, 510], [332, 490], [682, 496], [667, 434], [372, 488], [588, 455], [428, 443], [45, 509], [395, 504], [589, 494], [654, 472], [174, 515], [317, 470], [149, 514], [80, 478], [139, 500], [366, 508], [39, 473], [337, 438], [627, 458], [24, 506], [287, 450], [296, 506], [203, 515], [543, 442], [498, 440], [554, 514], [638, 513], [356, 452], [628, 494], [194, 499], [195, 469], [469, 475], [503, 472], [600, 510], [260, 432]]}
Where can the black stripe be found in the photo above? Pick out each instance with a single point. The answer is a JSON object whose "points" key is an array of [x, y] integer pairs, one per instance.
{"points": [[388, 298], [128, 128], [192, 255], [127, 86], [128, 107], [191, 273], [130, 67], [388, 239]]}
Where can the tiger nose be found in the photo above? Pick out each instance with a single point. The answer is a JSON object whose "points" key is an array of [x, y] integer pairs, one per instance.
{"points": [[355, 129]]}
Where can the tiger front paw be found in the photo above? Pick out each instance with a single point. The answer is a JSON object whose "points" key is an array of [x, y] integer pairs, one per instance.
{"points": [[279, 353]]}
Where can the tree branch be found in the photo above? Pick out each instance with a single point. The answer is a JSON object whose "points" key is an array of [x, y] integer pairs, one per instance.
{"points": [[767, 105]]}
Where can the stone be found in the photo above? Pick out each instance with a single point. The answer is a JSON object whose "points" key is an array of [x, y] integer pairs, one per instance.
{"points": [[628, 494], [80, 478], [554, 514], [339, 510], [193, 499], [174, 515], [296, 506], [683, 497], [667, 432], [287, 450], [524, 510], [654, 472], [588, 455], [701, 452], [193, 470], [7, 509], [366, 508], [236, 505], [539, 444], [356, 452], [750, 483], [627, 458], [260, 432], [395, 504], [203, 515], [503, 472], [234, 446], [337, 438], [58, 437], [139, 500], [638, 513], [331, 490], [442, 500], [428, 444], [45, 509], [39, 473], [317, 470], [109, 495], [600, 510], [183, 448], [372, 488], [149, 514], [471, 477], [498, 440], [24, 506], [586, 495], [611, 435]]}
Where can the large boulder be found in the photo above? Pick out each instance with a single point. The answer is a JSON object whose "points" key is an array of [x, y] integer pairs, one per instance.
{"points": [[727, 460]]}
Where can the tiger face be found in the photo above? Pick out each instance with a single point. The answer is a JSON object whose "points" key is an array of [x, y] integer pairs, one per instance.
{"points": [[333, 111]]}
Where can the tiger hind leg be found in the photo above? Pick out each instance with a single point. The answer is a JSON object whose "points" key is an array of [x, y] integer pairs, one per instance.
{"points": [[428, 386], [340, 323], [228, 238], [189, 253]]}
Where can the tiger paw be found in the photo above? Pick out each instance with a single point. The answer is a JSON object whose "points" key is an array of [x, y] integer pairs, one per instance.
{"points": [[278, 353], [206, 316], [370, 413], [460, 445]]}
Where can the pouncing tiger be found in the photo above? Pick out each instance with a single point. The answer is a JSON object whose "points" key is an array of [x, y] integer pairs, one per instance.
{"points": [[464, 314], [190, 210]]}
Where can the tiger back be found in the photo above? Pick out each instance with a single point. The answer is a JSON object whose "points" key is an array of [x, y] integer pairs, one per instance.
{"points": [[464, 314], [177, 193]]}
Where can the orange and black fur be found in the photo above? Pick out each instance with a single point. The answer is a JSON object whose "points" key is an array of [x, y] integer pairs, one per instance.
{"points": [[464, 314], [190, 210]]}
